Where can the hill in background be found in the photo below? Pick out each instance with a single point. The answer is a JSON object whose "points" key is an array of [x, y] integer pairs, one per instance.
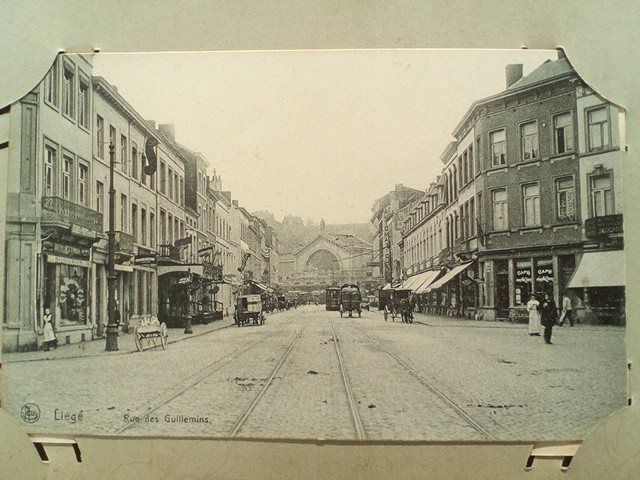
{"points": [[294, 232]]}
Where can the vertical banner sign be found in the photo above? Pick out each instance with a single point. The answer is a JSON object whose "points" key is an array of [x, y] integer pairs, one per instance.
{"points": [[150, 153]]}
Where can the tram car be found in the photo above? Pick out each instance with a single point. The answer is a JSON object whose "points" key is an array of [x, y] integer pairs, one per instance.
{"points": [[350, 300], [332, 299]]}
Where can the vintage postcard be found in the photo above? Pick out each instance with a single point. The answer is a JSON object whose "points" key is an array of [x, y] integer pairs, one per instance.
{"points": [[340, 245]]}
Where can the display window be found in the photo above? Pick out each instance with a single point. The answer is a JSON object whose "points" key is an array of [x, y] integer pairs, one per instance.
{"points": [[66, 293], [544, 276], [523, 282]]}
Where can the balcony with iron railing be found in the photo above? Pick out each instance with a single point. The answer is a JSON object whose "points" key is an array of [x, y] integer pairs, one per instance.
{"points": [[61, 211], [169, 252]]}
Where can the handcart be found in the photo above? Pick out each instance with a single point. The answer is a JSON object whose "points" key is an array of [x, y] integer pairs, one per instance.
{"points": [[150, 334]]}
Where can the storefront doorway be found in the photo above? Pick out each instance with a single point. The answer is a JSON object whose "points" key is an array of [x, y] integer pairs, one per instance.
{"points": [[502, 289]]}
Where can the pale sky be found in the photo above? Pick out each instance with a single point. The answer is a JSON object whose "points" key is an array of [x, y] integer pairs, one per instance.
{"points": [[319, 134]]}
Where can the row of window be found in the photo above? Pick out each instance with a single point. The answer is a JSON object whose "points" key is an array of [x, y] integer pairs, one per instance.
{"points": [[69, 92], [67, 178], [171, 183], [598, 136], [172, 228], [600, 201], [468, 220], [463, 170]]}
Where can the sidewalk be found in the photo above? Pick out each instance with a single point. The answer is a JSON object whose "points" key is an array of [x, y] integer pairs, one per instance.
{"points": [[444, 321], [96, 347]]}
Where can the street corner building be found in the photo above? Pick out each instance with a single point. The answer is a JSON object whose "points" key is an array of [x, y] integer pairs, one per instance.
{"points": [[529, 201], [177, 233]]}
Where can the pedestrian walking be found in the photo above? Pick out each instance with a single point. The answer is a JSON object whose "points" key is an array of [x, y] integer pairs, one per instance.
{"points": [[50, 339], [567, 310], [549, 316], [386, 312], [534, 316]]}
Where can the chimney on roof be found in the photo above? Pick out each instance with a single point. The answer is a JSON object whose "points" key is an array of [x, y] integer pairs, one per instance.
{"points": [[561, 53], [151, 123], [514, 73], [235, 203], [169, 129]]}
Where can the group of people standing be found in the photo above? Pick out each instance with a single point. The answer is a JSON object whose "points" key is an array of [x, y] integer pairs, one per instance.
{"points": [[545, 314]]}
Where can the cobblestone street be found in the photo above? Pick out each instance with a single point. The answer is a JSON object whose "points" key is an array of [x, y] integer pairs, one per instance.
{"points": [[438, 378]]}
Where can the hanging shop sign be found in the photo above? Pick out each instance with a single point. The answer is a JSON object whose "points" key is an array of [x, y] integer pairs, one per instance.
{"points": [[64, 249], [604, 226], [145, 259], [183, 242]]}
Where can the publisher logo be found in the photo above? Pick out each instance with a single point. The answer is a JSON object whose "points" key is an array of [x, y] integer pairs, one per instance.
{"points": [[30, 413]]}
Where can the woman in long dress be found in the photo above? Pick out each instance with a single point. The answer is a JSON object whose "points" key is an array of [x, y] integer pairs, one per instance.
{"points": [[534, 316], [49, 335]]}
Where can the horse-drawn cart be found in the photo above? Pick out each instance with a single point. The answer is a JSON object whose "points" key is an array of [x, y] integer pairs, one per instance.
{"points": [[350, 300], [151, 334], [249, 308]]}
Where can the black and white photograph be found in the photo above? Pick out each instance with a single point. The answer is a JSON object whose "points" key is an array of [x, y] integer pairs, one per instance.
{"points": [[370, 245]]}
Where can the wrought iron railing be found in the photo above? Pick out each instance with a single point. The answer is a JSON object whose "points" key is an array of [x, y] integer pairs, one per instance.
{"points": [[169, 251], [61, 210]]}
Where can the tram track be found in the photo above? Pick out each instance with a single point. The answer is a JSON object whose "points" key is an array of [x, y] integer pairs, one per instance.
{"points": [[239, 424], [353, 406], [195, 379], [433, 389]]}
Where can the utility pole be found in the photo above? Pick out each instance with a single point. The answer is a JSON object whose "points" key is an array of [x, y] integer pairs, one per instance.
{"points": [[112, 327]]}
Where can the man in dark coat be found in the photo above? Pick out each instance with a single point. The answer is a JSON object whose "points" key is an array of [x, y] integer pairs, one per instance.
{"points": [[549, 315]]}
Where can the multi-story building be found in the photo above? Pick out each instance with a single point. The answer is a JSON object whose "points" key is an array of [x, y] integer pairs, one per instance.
{"points": [[227, 250], [58, 160], [599, 281], [52, 218], [529, 166], [118, 124], [387, 235]]}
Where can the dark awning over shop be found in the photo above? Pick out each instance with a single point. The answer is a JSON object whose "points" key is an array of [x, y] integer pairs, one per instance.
{"points": [[448, 276], [164, 269], [600, 269]]}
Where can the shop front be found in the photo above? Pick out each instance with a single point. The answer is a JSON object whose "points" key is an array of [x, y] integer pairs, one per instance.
{"points": [[455, 292], [65, 293], [599, 280], [509, 283]]}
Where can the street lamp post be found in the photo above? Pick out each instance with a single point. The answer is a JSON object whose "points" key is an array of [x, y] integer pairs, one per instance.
{"points": [[112, 327]]}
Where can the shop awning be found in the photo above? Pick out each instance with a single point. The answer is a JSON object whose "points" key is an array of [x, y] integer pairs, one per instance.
{"points": [[261, 286], [416, 281], [433, 274], [448, 276], [164, 269], [600, 269]]}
